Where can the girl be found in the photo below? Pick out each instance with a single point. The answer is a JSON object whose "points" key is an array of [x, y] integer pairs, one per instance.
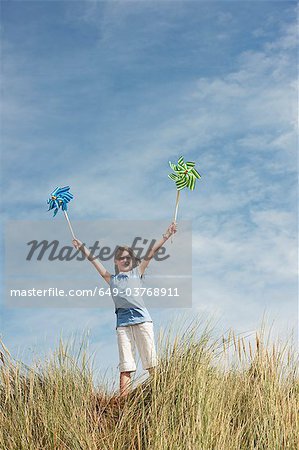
{"points": [[134, 324]]}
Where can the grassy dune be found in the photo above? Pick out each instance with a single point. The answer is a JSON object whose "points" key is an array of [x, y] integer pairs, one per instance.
{"points": [[226, 394]]}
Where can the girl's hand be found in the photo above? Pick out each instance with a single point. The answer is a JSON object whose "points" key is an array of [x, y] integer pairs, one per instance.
{"points": [[171, 230], [76, 243]]}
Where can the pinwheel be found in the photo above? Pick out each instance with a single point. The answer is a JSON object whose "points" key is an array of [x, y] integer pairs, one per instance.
{"points": [[184, 175], [59, 198]]}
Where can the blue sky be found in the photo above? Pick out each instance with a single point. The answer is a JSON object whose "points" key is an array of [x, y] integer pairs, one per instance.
{"points": [[100, 95]]}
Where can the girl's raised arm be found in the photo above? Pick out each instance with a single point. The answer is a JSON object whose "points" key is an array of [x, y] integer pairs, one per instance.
{"points": [[158, 244], [95, 262]]}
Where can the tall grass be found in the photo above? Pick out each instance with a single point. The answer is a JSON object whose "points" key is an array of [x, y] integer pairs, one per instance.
{"points": [[230, 393]]}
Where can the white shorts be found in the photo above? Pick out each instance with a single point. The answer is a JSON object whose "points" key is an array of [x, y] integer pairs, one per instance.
{"points": [[141, 334]]}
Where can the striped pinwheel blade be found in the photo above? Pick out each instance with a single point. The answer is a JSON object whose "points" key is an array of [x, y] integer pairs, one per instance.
{"points": [[190, 164], [172, 166], [181, 183], [181, 160], [172, 176], [195, 173]]}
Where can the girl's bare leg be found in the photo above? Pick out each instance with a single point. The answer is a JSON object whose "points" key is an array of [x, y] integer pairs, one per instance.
{"points": [[124, 383]]}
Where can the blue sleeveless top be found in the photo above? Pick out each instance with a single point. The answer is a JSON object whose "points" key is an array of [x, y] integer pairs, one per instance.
{"points": [[129, 305]]}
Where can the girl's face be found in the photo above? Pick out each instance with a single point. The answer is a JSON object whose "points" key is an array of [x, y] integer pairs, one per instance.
{"points": [[124, 262]]}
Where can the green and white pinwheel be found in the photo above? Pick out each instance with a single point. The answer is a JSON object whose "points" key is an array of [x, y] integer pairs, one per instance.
{"points": [[185, 176]]}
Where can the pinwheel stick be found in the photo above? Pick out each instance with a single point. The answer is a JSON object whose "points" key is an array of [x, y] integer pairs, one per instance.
{"points": [[176, 205], [69, 223]]}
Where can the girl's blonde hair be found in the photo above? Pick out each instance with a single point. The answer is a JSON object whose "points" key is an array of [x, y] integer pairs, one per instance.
{"points": [[120, 249]]}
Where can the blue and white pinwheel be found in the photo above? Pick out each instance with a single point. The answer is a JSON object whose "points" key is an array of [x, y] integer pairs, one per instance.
{"points": [[59, 198]]}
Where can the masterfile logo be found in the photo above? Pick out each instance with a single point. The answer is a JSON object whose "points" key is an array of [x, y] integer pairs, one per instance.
{"points": [[44, 269]]}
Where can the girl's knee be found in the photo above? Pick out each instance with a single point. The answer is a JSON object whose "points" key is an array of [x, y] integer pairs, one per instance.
{"points": [[125, 373]]}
